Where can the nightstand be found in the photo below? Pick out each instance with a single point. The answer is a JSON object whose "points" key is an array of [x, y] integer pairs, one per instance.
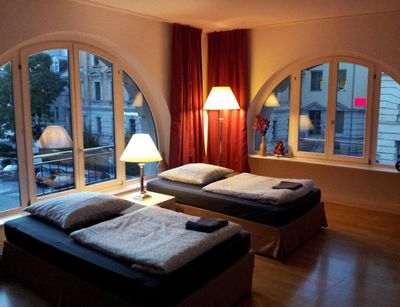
{"points": [[162, 200]]}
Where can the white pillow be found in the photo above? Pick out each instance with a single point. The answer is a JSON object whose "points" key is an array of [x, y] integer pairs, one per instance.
{"points": [[196, 173], [78, 209]]}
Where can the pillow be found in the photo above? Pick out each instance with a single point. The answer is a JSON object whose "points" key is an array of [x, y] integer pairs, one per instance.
{"points": [[196, 173], [78, 209]]}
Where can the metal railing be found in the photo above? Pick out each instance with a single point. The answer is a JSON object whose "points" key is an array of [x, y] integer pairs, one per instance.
{"points": [[55, 171]]}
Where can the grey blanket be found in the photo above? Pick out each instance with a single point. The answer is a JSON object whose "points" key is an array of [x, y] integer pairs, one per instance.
{"points": [[152, 239], [259, 188]]}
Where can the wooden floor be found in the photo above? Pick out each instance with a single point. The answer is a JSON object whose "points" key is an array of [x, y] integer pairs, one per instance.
{"points": [[354, 262]]}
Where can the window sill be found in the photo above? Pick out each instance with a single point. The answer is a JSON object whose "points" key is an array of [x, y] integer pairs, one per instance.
{"points": [[373, 168]]}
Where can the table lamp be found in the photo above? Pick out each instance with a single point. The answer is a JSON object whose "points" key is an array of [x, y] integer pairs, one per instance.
{"points": [[221, 98], [141, 149]]}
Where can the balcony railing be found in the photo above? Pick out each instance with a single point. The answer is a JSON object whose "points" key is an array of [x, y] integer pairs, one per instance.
{"points": [[55, 171]]}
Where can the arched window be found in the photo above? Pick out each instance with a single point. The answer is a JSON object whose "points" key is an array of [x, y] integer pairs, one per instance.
{"points": [[80, 106], [329, 113]]}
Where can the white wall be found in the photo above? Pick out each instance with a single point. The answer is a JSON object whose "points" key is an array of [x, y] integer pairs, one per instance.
{"points": [[275, 48], [143, 45]]}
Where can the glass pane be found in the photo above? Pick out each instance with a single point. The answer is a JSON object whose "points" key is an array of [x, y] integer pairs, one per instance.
{"points": [[137, 119], [9, 180], [276, 108], [351, 105], [388, 146], [98, 117], [314, 97], [51, 121]]}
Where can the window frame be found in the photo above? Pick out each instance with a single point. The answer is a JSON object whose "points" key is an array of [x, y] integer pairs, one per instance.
{"points": [[365, 159], [375, 69], [19, 59], [333, 62], [19, 125]]}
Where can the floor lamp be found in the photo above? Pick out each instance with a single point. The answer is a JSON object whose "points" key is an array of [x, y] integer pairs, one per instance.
{"points": [[221, 98], [141, 149]]}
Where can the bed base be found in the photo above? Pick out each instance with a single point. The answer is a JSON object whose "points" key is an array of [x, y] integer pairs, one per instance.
{"points": [[275, 242], [65, 289]]}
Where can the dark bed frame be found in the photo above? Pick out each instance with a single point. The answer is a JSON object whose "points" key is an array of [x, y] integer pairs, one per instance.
{"points": [[272, 241], [62, 288]]}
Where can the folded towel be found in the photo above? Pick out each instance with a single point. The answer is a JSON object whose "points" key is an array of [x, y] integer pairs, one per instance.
{"points": [[288, 185], [206, 224]]}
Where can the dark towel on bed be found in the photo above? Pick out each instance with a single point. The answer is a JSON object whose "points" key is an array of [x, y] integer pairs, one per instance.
{"points": [[206, 224], [288, 185]]}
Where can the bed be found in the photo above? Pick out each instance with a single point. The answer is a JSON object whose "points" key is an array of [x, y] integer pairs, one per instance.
{"points": [[66, 273], [276, 231]]}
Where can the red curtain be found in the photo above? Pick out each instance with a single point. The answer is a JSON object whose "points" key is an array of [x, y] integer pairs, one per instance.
{"points": [[228, 66], [186, 138]]}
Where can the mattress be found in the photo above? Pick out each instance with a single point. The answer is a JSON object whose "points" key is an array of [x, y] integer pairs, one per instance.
{"points": [[250, 210], [54, 246]]}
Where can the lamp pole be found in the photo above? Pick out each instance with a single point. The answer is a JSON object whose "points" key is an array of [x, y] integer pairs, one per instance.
{"points": [[221, 120]]}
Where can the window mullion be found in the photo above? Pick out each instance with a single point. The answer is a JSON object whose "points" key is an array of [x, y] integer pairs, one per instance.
{"points": [[20, 132], [76, 106], [119, 128], [294, 113], [30, 171], [331, 108], [374, 118], [372, 103]]}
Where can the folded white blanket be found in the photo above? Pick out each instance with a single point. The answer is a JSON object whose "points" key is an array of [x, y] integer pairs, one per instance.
{"points": [[259, 188], [153, 239]]}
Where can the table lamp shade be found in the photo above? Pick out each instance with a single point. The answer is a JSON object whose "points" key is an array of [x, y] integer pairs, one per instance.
{"points": [[141, 149], [55, 137], [221, 98]]}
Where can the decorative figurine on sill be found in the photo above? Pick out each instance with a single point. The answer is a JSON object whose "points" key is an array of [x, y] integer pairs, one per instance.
{"points": [[279, 149]]}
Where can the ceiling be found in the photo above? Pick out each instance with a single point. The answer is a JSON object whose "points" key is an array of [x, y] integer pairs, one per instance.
{"points": [[230, 14]]}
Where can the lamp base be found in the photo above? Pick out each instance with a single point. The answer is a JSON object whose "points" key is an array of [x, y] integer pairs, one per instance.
{"points": [[141, 196]]}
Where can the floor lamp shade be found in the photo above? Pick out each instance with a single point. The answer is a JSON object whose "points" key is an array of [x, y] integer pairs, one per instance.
{"points": [[141, 149], [221, 98], [55, 137]]}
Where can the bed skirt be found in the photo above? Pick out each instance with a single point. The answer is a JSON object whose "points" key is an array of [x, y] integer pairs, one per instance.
{"points": [[65, 289], [275, 242]]}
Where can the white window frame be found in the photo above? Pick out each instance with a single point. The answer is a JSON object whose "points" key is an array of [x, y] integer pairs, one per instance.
{"points": [[328, 154], [368, 161], [21, 92], [118, 118], [19, 125], [21, 97]]}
